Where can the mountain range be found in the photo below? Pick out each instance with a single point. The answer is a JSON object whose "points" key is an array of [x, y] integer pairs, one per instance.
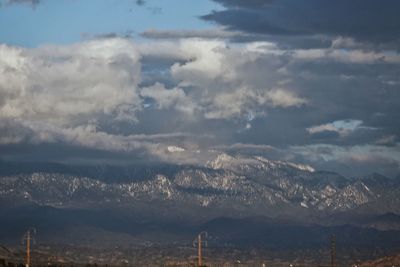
{"points": [[161, 202]]}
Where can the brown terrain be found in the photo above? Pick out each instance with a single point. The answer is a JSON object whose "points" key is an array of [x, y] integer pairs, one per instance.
{"points": [[388, 261]]}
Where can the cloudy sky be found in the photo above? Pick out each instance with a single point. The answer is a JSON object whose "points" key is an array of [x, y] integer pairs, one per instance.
{"points": [[121, 81]]}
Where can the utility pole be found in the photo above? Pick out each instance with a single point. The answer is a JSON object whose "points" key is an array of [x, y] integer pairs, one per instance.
{"points": [[333, 250], [199, 241], [199, 251], [28, 238], [28, 249]]}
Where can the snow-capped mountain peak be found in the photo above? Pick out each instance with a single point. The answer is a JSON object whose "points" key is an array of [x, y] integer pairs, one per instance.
{"points": [[225, 161]]}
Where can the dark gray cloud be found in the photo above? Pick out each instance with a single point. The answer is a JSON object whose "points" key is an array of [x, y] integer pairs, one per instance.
{"points": [[244, 3], [33, 3], [353, 166], [140, 2], [366, 20], [218, 33], [152, 9], [325, 136], [107, 35]]}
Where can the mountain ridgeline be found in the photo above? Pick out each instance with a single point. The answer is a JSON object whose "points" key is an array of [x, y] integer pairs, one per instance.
{"points": [[178, 200]]}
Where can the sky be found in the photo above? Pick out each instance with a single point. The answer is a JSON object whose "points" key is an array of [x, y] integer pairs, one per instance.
{"points": [[123, 81]]}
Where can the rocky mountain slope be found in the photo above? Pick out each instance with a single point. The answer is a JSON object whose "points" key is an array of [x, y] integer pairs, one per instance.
{"points": [[226, 185]]}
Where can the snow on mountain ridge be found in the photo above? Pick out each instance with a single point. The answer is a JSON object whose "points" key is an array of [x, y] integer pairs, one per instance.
{"points": [[252, 184], [224, 160]]}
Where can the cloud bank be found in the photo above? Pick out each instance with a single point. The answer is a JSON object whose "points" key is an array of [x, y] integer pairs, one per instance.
{"points": [[321, 91]]}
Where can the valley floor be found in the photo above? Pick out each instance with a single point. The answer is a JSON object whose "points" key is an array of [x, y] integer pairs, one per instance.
{"points": [[46, 255]]}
